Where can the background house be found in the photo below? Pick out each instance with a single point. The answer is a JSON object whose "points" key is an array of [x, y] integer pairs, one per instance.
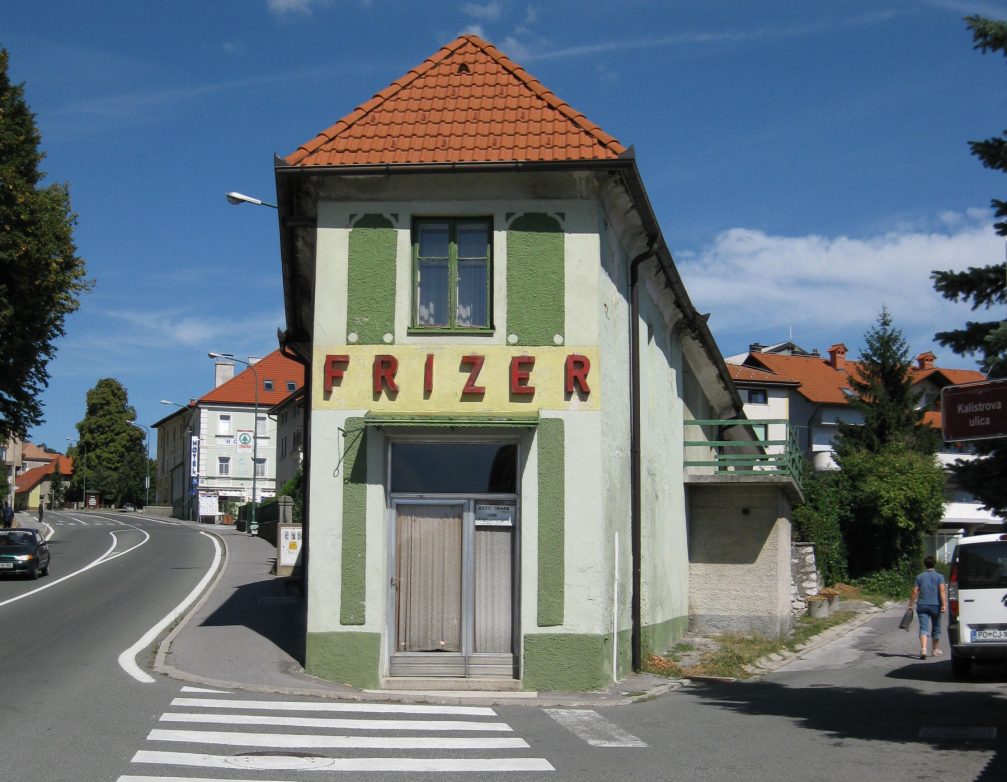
{"points": [[814, 393], [34, 486], [235, 446]]}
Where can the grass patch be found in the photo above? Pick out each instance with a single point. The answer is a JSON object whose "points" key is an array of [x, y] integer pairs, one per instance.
{"points": [[731, 655]]}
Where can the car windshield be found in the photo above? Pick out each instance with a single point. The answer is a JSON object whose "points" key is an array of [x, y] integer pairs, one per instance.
{"points": [[17, 538], [982, 566]]}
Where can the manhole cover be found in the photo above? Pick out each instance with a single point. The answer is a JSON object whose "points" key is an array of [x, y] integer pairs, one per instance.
{"points": [[271, 761]]}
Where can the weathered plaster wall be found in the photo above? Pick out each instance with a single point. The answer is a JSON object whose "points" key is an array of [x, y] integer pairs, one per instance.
{"points": [[739, 555]]}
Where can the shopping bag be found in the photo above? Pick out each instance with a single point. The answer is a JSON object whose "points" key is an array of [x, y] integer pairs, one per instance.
{"points": [[906, 620]]}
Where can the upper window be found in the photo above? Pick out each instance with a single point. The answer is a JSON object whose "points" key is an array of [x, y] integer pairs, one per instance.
{"points": [[224, 424], [291, 385], [267, 385], [451, 267], [223, 465], [757, 396]]}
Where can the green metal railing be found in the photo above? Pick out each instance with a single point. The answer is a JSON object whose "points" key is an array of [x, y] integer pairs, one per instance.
{"points": [[747, 457]]}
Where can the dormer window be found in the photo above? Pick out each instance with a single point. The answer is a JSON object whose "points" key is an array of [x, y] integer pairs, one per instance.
{"points": [[267, 385]]}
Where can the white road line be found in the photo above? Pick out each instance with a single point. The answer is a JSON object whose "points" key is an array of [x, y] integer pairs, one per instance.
{"points": [[205, 689], [318, 741], [127, 660], [590, 726], [280, 762], [329, 722], [354, 706], [133, 778]]}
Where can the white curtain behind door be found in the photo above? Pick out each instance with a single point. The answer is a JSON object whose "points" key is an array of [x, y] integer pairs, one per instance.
{"points": [[429, 541]]}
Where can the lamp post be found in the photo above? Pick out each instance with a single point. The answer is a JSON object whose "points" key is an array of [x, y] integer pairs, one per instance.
{"points": [[253, 525], [193, 474], [84, 447], [146, 466]]}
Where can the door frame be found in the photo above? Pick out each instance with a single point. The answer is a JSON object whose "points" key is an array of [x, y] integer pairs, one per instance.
{"points": [[468, 501]]}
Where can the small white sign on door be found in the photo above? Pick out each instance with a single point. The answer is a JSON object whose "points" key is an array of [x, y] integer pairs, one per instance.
{"points": [[494, 515]]}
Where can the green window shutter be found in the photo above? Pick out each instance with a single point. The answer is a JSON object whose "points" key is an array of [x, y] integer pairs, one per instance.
{"points": [[353, 571], [551, 522], [536, 278], [371, 280]]}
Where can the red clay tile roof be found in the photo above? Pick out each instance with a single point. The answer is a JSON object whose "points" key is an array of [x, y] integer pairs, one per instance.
{"points": [[742, 373], [822, 384], [467, 103], [29, 480], [32, 453], [240, 389]]}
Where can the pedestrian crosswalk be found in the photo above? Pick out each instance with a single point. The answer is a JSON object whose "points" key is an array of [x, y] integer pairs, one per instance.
{"points": [[207, 732]]}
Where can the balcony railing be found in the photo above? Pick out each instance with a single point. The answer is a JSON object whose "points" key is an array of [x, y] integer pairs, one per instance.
{"points": [[717, 453]]}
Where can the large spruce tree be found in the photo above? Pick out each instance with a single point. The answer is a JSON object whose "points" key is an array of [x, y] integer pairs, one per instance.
{"points": [[42, 277], [891, 483], [985, 287]]}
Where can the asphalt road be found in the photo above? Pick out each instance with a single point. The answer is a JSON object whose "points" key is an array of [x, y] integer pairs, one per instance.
{"points": [[861, 708], [68, 710]]}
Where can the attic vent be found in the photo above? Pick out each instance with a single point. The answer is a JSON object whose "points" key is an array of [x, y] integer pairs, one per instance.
{"points": [[463, 68]]}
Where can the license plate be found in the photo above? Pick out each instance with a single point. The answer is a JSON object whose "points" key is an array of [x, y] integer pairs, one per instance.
{"points": [[998, 634], [6, 565]]}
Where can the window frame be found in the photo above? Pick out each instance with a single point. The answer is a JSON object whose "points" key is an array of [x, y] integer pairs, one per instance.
{"points": [[452, 327], [762, 392], [224, 466]]}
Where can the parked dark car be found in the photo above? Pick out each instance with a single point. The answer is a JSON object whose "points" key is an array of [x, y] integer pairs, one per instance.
{"points": [[23, 552]]}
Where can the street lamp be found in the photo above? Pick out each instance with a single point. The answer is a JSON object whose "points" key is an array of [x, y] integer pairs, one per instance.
{"points": [[81, 444], [190, 485], [253, 525], [146, 467], [237, 199]]}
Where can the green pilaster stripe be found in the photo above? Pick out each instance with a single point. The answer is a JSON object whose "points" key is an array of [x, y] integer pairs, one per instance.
{"points": [[349, 658], [551, 526], [548, 661], [535, 279], [370, 309], [353, 574]]}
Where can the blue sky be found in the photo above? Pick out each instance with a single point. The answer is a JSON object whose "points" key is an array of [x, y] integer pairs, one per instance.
{"points": [[807, 160]]}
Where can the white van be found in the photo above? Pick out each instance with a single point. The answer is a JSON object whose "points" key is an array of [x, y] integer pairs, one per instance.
{"points": [[977, 597]]}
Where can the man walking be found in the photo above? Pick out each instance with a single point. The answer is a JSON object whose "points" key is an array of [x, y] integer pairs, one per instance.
{"points": [[41, 510], [930, 596]]}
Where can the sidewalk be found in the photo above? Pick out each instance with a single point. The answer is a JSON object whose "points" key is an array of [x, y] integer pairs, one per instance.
{"points": [[247, 632]]}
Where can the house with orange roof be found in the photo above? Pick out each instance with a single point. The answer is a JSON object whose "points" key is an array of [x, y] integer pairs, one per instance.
{"points": [[35, 485], [813, 392], [214, 451], [501, 361]]}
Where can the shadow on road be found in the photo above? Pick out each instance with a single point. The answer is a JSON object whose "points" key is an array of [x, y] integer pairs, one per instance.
{"points": [[889, 714]]}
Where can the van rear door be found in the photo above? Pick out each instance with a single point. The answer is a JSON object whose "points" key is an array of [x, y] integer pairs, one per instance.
{"points": [[982, 592]]}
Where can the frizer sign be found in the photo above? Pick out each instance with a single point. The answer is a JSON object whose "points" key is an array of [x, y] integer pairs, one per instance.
{"points": [[974, 411]]}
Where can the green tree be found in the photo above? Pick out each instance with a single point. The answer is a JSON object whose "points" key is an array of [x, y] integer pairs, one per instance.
{"points": [[986, 288], [115, 454], [820, 521], [57, 488], [42, 276], [897, 496], [884, 396]]}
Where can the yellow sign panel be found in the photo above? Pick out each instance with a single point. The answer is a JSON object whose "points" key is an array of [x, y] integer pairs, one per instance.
{"points": [[456, 378]]}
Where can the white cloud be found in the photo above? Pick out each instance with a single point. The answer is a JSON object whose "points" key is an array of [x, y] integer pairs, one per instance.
{"points": [[488, 12], [283, 7], [758, 286], [473, 29], [168, 329]]}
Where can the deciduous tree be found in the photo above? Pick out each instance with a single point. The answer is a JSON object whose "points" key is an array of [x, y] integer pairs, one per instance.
{"points": [[42, 276]]}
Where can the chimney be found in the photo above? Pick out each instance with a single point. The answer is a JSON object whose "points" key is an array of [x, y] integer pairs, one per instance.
{"points": [[755, 347], [222, 372], [837, 357], [254, 359], [925, 360]]}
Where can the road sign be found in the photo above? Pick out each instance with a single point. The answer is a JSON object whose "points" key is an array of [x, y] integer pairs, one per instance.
{"points": [[974, 411]]}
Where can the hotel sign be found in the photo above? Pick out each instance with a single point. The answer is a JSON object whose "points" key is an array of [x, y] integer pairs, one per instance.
{"points": [[974, 411]]}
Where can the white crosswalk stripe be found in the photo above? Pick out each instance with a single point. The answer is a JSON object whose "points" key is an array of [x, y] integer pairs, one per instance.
{"points": [[256, 735]]}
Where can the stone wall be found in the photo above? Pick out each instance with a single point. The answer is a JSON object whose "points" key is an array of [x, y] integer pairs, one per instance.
{"points": [[803, 575]]}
